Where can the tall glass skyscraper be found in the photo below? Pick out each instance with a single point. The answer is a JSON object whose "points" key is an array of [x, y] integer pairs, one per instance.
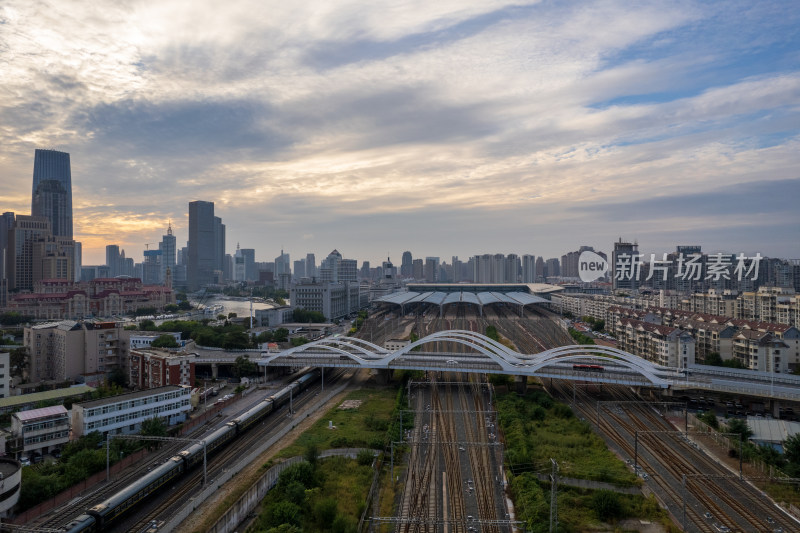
{"points": [[52, 190]]}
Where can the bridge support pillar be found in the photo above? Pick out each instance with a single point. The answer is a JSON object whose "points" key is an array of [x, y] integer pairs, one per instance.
{"points": [[214, 370], [384, 376], [521, 383]]}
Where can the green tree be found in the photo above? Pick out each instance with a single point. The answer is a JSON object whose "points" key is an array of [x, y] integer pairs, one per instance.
{"points": [[184, 305], [312, 454], [295, 492], [791, 449], [243, 367], [281, 335], [18, 361], [710, 419], [154, 427], [606, 505], [283, 512], [232, 315], [165, 341], [147, 325], [737, 425], [299, 341], [713, 359], [118, 378]]}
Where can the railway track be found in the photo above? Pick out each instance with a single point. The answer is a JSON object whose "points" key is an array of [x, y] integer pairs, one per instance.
{"points": [[708, 485], [168, 501]]}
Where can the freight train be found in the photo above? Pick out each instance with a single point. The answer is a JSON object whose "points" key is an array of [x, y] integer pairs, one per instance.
{"points": [[105, 514]]}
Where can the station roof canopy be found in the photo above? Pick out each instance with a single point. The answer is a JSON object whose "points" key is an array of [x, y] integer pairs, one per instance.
{"points": [[508, 294]]}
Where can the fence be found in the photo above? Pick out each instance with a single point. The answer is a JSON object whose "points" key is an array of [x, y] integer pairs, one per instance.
{"points": [[251, 498]]}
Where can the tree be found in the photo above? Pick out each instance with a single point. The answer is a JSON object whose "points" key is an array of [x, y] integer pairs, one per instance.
{"points": [[18, 361], [325, 511], [154, 427], [283, 512], [737, 425], [165, 341], [713, 359], [312, 454], [710, 419], [232, 315], [791, 449], [243, 366], [147, 325], [117, 377], [281, 335], [13, 318]]}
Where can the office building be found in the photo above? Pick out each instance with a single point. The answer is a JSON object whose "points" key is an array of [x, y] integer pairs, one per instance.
{"points": [[431, 269], [311, 266], [52, 191], [407, 265], [300, 269], [203, 246], [332, 299], [125, 413], [625, 266], [418, 269], [33, 253]]}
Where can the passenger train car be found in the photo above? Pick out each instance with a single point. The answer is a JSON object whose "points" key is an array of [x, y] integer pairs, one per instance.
{"points": [[99, 517]]}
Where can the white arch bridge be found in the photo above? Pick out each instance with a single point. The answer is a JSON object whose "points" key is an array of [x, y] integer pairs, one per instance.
{"points": [[600, 364]]}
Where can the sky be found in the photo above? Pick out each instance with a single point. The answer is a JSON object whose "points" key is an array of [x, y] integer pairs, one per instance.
{"points": [[454, 127]]}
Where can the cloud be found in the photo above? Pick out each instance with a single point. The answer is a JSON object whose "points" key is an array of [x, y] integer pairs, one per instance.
{"points": [[450, 127]]}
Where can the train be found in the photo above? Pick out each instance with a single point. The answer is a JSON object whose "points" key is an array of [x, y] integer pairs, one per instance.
{"points": [[588, 368], [104, 514]]}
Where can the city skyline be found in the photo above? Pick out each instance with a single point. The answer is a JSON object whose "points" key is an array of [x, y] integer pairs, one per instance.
{"points": [[454, 129]]}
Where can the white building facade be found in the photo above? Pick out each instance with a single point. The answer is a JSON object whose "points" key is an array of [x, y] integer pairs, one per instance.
{"points": [[125, 413]]}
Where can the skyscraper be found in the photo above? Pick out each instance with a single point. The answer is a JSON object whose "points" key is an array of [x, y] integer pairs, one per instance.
{"points": [[168, 247], [407, 265], [52, 190], [204, 236]]}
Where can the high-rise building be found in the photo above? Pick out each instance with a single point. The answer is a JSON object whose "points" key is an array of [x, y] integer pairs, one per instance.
{"points": [[311, 266], [626, 266], [407, 265], [528, 268], [151, 268], [553, 267], [431, 269], [204, 244], [113, 260], [300, 269], [6, 223], [418, 269], [52, 190], [19, 259], [168, 247], [219, 245]]}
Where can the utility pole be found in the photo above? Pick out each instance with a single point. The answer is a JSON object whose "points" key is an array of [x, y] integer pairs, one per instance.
{"points": [[553, 497]]}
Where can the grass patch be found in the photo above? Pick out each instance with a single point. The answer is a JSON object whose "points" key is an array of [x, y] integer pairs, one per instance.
{"points": [[327, 496], [537, 428], [363, 427]]}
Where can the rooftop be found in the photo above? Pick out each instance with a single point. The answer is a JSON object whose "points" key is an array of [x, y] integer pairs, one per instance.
{"points": [[44, 412], [36, 397], [130, 396]]}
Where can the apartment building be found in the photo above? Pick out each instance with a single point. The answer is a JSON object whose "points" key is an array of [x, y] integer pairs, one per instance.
{"points": [[710, 337], [149, 369], [662, 345], [762, 351], [63, 351], [39, 430]]}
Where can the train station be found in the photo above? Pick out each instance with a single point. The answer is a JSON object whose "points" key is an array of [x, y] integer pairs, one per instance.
{"points": [[515, 295]]}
